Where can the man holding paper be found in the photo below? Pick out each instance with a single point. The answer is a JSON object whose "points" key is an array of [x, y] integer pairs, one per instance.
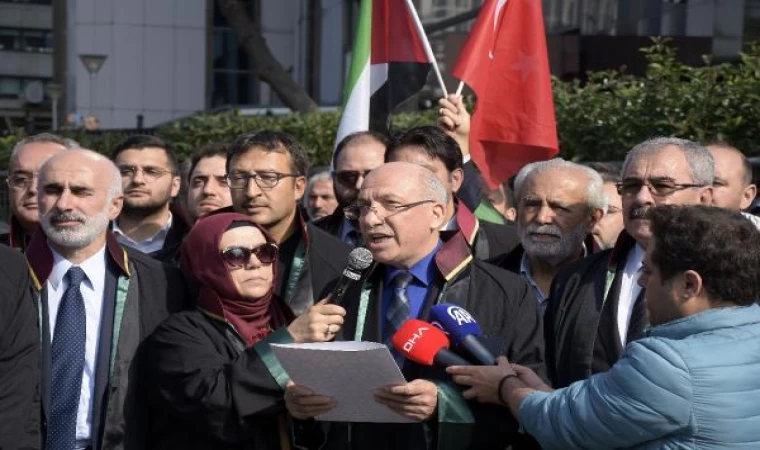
{"points": [[400, 210]]}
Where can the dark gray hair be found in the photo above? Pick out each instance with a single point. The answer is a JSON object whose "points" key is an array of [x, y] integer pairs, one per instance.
{"points": [[594, 191], [701, 163], [44, 138]]}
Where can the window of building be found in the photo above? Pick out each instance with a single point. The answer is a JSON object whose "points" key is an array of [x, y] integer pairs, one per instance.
{"points": [[35, 2], [13, 87], [26, 40]]}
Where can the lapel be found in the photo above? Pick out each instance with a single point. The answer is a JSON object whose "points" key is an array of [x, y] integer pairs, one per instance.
{"points": [[616, 265], [17, 238]]}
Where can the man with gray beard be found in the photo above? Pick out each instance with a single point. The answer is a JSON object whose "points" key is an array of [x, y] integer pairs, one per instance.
{"points": [[97, 301], [597, 305], [558, 203]]}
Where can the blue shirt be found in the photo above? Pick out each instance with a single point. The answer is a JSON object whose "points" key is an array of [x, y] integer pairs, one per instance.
{"points": [[423, 274]]}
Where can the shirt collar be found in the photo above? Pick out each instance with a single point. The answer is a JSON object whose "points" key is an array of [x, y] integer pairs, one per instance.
{"points": [[160, 234], [423, 270], [92, 267]]}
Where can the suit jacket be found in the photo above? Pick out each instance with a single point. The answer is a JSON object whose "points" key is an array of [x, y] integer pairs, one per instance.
{"points": [[504, 307], [486, 240], [15, 237], [142, 293], [332, 223], [580, 324], [19, 356], [181, 225]]}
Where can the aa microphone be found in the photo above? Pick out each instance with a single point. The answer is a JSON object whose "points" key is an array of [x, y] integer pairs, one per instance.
{"points": [[425, 344], [463, 331], [358, 261]]}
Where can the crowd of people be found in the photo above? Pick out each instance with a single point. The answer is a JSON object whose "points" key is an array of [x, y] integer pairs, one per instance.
{"points": [[619, 300]]}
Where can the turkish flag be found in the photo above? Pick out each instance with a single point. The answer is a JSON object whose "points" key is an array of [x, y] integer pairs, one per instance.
{"points": [[505, 62]]}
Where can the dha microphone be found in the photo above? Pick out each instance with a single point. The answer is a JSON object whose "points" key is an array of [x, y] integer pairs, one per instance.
{"points": [[463, 331], [425, 344], [358, 261]]}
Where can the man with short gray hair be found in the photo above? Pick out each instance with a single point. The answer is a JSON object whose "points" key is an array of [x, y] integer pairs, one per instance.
{"points": [[558, 203], [27, 157], [97, 302], [597, 305], [319, 199]]}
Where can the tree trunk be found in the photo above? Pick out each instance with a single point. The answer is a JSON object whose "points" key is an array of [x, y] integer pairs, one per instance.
{"points": [[265, 64]]}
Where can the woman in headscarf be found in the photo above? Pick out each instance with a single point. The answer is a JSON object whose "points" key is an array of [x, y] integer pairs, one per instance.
{"points": [[210, 373]]}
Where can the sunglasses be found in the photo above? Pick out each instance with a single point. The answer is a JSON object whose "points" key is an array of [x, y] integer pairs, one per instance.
{"points": [[237, 256], [350, 177]]}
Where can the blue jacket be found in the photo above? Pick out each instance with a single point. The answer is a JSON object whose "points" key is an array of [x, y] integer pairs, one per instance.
{"points": [[692, 383]]}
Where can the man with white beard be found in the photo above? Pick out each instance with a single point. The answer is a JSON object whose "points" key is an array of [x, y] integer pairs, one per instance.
{"points": [[97, 301], [558, 203]]}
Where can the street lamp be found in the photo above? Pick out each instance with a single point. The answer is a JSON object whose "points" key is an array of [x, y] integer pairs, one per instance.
{"points": [[54, 90], [92, 63]]}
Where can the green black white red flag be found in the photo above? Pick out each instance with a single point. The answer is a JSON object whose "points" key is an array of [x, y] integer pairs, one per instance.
{"points": [[389, 65]]}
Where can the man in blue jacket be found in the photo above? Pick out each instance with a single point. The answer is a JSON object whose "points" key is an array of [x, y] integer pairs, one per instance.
{"points": [[691, 382]]}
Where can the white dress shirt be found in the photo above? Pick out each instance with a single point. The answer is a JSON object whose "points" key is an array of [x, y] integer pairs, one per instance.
{"points": [[92, 293], [629, 290], [149, 245]]}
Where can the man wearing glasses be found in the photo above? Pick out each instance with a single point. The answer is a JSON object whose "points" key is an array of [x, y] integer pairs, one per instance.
{"points": [[150, 178], [355, 156], [400, 209], [27, 157], [266, 172], [597, 305]]}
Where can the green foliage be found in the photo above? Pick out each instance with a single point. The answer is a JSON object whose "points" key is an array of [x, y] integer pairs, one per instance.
{"points": [[599, 119]]}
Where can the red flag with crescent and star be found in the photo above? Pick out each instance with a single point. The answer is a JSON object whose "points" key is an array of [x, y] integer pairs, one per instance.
{"points": [[505, 62]]}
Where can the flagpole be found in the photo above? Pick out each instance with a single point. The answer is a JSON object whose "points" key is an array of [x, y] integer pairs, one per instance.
{"points": [[459, 88], [426, 44]]}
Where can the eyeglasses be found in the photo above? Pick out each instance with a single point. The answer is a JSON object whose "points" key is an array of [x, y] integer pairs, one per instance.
{"points": [[350, 177], [237, 256], [658, 188], [21, 181], [383, 212], [264, 180], [149, 173]]}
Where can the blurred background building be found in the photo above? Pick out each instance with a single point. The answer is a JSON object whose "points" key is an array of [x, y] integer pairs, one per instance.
{"points": [[159, 60]]}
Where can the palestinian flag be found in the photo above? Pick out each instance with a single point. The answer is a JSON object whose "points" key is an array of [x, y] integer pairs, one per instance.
{"points": [[388, 66]]}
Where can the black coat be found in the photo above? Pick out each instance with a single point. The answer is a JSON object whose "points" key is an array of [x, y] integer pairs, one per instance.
{"points": [[209, 391], [504, 307], [19, 356], [581, 323], [152, 292]]}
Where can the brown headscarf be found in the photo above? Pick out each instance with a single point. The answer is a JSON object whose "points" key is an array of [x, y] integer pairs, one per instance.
{"points": [[202, 261]]}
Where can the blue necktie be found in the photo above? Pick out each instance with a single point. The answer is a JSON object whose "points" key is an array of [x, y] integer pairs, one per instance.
{"points": [[398, 310], [67, 354]]}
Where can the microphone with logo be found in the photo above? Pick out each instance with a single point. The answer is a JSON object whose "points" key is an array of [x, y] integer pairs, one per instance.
{"points": [[358, 261], [463, 331], [425, 344]]}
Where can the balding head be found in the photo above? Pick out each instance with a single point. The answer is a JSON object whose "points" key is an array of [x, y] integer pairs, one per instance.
{"points": [[79, 194], [732, 186], [403, 206]]}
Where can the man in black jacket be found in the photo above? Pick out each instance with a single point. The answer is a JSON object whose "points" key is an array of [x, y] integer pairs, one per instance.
{"points": [[400, 209], [355, 156], [267, 178], [19, 355], [150, 221], [432, 148], [97, 303], [558, 203], [596, 305]]}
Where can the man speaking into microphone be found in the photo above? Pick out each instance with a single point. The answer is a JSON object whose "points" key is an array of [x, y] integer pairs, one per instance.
{"points": [[400, 210]]}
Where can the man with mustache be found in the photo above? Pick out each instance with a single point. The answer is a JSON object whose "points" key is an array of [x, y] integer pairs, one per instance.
{"points": [[27, 157], [208, 189], [558, 203], [355, 156], [266, 172], [597, 306], [320, 200], [150, 178], [97, 302], [400, 209]]}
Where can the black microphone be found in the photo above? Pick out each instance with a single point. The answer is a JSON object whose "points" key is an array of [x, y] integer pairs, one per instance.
{"points": [[358, 261], [463, 331]]}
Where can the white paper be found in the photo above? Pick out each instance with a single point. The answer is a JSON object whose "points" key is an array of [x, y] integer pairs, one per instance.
{"points": [[349, 372]]}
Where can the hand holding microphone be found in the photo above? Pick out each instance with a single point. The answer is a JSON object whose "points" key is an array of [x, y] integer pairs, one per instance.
{"points": [[359, 260]]}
